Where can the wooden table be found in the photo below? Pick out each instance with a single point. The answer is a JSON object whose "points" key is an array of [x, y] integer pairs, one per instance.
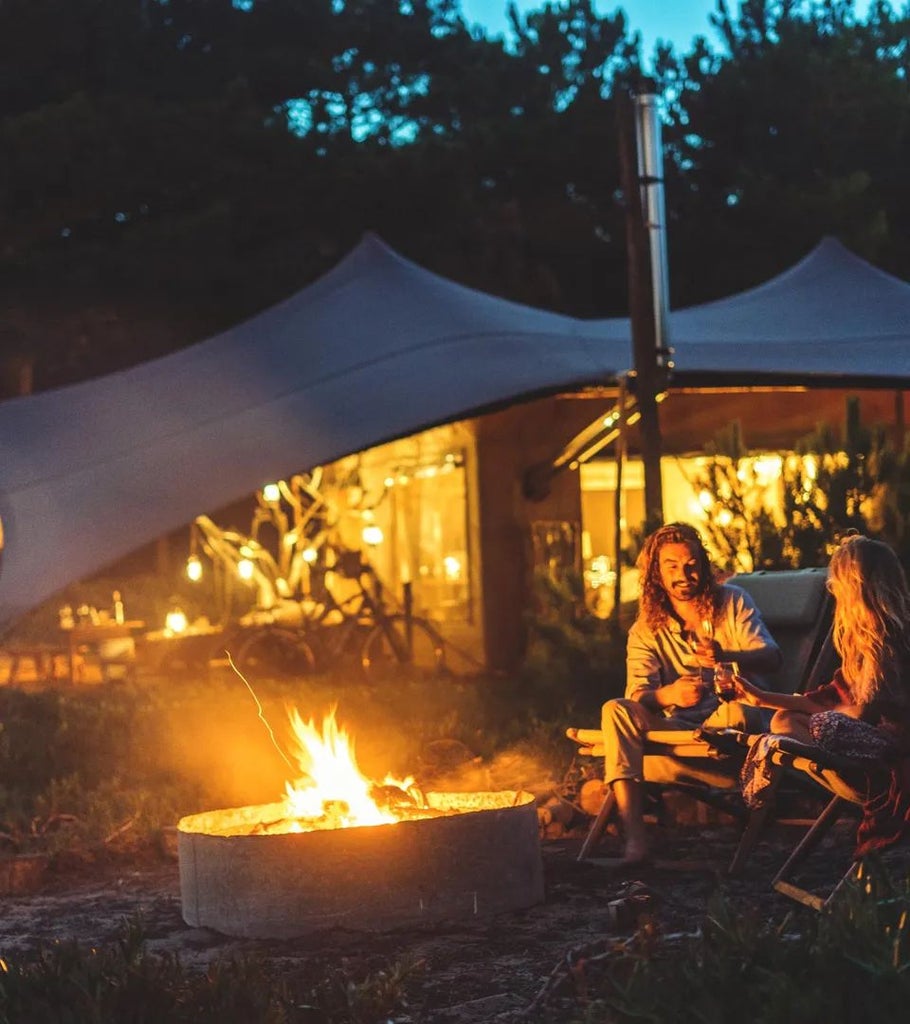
{"points": [[110, 646]]}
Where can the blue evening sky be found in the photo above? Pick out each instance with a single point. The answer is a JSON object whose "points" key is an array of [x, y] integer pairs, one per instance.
{"points": [[676, 21]]}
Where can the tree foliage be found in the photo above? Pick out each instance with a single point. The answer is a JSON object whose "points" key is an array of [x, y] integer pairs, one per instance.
{"points": [[836, 482], [172, 166]]}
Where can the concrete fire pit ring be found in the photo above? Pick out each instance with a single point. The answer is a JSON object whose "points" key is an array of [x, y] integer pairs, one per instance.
{"points": [[482, 860]]}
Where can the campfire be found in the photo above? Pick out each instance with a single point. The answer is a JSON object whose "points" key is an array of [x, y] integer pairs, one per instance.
{"points": [[340, 849]]}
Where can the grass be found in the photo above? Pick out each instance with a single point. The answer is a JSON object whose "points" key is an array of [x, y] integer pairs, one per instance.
{"points": [[111, 766], [118, 763], [844, 966], [124, 983]]}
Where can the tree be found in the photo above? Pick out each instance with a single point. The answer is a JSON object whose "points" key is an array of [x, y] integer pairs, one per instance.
{"points": [[177, 165], [801, 129]]}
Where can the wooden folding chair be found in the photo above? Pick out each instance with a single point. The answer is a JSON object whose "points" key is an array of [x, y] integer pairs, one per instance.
{"points": [[784, 879], [797, 609], [832, 773]]}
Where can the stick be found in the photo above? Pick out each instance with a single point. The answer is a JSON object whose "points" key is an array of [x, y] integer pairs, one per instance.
{"points": [[566, 963], [261, 714]]}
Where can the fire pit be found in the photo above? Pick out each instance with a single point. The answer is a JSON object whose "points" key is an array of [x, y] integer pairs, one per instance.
{"points": [[319, 859]]}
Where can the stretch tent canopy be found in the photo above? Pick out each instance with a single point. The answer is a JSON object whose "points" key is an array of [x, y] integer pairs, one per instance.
{"points": [[376, 349], [831, 316]]}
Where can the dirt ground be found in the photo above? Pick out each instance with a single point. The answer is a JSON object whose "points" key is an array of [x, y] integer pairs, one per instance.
{"points": [[501, 969]]}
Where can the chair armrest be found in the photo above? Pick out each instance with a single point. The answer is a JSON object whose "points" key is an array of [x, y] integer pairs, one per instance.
{"points": [[726, 741], [671, 737], [679, 743], [793, 752]]}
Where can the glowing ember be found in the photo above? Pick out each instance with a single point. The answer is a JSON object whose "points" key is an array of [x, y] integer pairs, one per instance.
{"points": [[331, 791]]}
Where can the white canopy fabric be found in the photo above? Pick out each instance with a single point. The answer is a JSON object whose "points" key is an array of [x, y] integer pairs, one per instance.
{"points": [[378, 348], [831, 315]]}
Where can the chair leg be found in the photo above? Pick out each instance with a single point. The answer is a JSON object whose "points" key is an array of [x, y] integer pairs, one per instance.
{"points": [[755, 826], [809, 842], [598, 826]]}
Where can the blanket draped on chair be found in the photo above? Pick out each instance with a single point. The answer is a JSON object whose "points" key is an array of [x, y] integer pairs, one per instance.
{"points": [[878, 774]]}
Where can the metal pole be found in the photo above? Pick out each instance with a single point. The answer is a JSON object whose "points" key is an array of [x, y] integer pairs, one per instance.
{"points": [[648, 378], [651, 178], [620, 455], [408, 602]]}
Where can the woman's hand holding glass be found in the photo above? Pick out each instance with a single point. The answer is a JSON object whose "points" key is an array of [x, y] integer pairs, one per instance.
{"points": [[746, 693]]}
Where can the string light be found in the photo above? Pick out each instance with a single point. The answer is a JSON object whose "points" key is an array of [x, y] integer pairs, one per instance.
{"points": [[372, 535]]}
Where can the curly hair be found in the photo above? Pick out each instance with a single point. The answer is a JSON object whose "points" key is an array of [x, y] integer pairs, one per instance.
{"points": [[654, 606], [871, 629]]}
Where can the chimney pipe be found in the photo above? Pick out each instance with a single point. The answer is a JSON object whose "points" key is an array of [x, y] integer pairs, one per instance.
{"points": [[651, 179]]}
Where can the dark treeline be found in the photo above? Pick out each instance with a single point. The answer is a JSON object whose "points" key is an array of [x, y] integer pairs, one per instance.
{"points": [[171, 166]]}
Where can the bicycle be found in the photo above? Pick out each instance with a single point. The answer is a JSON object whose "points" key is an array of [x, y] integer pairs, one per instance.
{"points": [[274, 650], [361, 629], [379, 641]]}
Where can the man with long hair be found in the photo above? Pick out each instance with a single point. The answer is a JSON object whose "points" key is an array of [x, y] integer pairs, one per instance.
{"points": [[687, 622]]}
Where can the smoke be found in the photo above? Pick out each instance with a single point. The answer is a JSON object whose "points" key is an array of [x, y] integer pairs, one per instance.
{"points": [[232, 750], [222, 750], [449, 765]]}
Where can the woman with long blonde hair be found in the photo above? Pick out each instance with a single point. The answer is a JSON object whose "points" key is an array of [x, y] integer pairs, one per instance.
{"points": [[871, 633], [864, 712]]}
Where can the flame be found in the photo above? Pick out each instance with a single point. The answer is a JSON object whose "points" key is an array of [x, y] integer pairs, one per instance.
{"points": [[331, 791]]}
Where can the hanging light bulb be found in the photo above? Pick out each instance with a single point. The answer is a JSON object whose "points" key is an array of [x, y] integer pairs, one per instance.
{"points": [[372, 535], [194, 568], [271, 493], [175, 621], [245, 569]]}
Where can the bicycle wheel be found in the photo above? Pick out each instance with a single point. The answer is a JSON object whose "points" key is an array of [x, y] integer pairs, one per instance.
{"points": [[397, 644], [275, 652]]}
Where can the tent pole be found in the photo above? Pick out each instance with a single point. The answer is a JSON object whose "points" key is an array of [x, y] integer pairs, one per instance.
{"points": [[641, 314], [620, 456]]}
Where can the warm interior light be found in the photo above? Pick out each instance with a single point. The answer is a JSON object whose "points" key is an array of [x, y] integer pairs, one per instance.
{"points": [[600, 573], [451, 566], [175, 621], [310, 555], [271, 493], [194, 568], [245, 569], [767, 468]]}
